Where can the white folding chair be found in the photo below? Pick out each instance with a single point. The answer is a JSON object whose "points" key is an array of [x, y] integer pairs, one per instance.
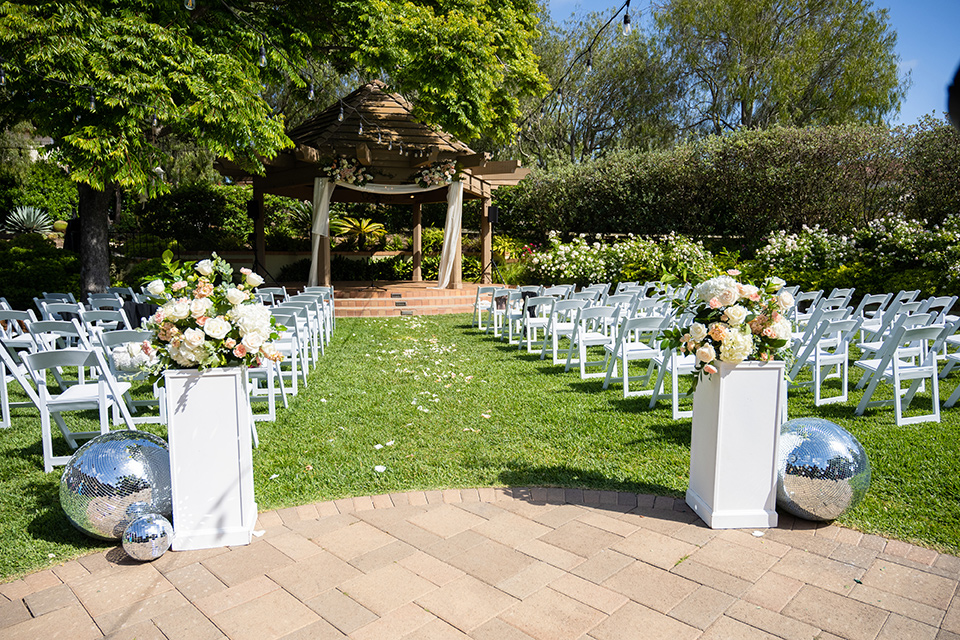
{"points": [[12, 370], [481, 306], [561, 326], [669, 361], [113, 344], [536, 317], [637, 340], [590, 329], [105, 393], [14, 328], [896, 362], [290, 345]]}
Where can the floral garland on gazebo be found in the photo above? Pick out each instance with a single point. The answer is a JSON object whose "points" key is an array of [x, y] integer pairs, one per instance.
{"points": [[343, 169], [437, 173]]}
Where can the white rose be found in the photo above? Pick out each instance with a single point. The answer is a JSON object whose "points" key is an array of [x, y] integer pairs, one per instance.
{"points": [[706, 353], [200, 307], [785, 300], [217, 328], [253, 341], [176, 309], [735, 315], [781, 328], [155, 288], [728, 296], [204, 267], [698, 331], [235, 296], [254, 280], [184, 355], [193, 338]]}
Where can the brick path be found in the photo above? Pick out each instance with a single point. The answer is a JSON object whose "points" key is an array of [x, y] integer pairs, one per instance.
{"points": [[501, 564]]}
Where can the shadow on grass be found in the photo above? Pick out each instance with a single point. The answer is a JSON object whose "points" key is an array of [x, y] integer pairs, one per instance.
{"points": [[526, 475]]}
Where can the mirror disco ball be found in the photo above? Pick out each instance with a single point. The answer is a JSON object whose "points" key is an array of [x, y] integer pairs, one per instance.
{"points": [[114, 479], [148, 537], [822, 470]]}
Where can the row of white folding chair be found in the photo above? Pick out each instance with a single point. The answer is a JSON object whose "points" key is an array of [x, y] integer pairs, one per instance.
{"points": [[826, 347]]}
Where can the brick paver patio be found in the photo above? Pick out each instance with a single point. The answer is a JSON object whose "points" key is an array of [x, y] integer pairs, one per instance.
{"points": [[501, 564]]}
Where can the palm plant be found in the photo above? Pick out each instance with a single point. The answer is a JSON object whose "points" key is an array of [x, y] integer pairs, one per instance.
{"points": [[359, 230], [28, 220]]}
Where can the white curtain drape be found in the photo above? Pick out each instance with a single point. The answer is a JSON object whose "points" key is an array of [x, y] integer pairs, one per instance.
{"points": [[451, 234], [323, 190]]}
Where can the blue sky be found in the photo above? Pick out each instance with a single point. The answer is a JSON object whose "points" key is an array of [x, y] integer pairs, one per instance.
{"points": [[928, 42]]}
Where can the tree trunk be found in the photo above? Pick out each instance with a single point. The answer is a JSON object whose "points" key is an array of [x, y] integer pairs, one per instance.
{"points": [[94, 209]]}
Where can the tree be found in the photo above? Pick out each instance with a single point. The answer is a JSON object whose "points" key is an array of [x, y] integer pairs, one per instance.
{"points": [[754, 63], [626, 97], [108, 79]]}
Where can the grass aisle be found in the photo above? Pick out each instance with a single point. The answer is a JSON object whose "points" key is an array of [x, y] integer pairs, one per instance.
{"points": [[410, 403]]}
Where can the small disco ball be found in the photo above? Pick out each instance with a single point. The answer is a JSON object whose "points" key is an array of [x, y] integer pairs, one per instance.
{"points": [[822, 470], [114, 479], [148, 537]]}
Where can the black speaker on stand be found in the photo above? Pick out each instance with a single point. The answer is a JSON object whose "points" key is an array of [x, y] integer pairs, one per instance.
{"points": [[493, 214]]}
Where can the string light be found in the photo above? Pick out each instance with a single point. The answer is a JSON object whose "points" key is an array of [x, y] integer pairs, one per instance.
{"points": [[361, 128], [626, 20], [589, 60], [310, 93], [3, 78], [379, 137], [390, 146], [190, 4], [340, 117], [153, 121], [93, 101], [263, 56]]}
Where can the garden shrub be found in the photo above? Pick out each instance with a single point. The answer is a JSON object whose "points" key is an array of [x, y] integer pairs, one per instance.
{"points": [[30, 264], [200, 217]]}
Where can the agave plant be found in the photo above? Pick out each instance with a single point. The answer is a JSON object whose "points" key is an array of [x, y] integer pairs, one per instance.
{"points": [[28, 220], [360, 230]]}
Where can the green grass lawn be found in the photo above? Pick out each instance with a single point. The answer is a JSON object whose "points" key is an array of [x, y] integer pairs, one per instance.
{"points": [[454, 408]]}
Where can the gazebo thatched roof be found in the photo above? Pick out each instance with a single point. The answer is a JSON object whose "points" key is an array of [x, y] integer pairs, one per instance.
{"points": [[379, 129]]}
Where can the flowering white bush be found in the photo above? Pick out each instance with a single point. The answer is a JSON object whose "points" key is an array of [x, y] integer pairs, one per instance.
{"points": [[441, 172], [732, 322], [206, 319], [812, 248]]}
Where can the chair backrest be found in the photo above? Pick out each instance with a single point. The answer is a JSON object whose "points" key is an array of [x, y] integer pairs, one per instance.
{"points": [[622, 286], [265, 297], [60, 310], [842, 293], [641, 329], [112, 302], [557, 291], [532, 288], [872, 305], [906, 296], [594, 318], [591, 296], [4, 305], [99, 319], [46, 333], [942, 305], [625, 303], [125, 293], [278, 293], [806, 301], [14, 323], [566, 310], [58, 297], [539, 306]]}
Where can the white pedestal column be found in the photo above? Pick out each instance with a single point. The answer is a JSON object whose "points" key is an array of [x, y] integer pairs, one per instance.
{"points": [[733, 449], [211, 458]]}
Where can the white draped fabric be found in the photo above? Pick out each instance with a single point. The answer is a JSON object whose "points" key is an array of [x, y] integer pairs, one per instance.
{"points": [[323, 190]]}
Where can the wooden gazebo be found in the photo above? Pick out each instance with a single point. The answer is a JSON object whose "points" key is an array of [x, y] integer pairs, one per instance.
{"points": [[378, 129]]}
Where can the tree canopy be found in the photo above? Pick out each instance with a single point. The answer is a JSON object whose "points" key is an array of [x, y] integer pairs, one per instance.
{"points": [[754, 63], [107, 79]]}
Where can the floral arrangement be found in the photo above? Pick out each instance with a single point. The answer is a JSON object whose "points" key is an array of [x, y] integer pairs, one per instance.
{"points": [[440, 172], [342, 169], [732, 322], [208, 318]]}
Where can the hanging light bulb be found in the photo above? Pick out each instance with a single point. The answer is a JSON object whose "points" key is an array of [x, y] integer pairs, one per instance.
{"points": [[340, 117], [3, 78], [361, 128], [401, 148], [190, 4], [93, 101], [379, 138], [589, 60], [153, 121], [310, 93], [626, 20], [390, 146], [263, 56]]}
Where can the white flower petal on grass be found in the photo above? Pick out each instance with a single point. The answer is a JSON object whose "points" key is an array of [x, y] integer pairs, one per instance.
{"points": [[485, 415], [276, 475], [379, 468], [390, 444], [378, 446], [323, 399]]}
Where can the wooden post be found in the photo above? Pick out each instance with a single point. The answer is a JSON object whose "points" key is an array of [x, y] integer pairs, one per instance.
{"points": [[259, 227], [486, 243], [456, 278], [323, 262], [417, 243]]}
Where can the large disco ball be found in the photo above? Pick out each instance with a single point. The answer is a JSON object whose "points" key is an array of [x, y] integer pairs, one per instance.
{"points": [[114, 479], [148, 537], [822, 469]]}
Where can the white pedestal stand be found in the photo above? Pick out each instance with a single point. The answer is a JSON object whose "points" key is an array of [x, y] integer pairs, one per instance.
{"points": [[211, 458], [733, 449]]}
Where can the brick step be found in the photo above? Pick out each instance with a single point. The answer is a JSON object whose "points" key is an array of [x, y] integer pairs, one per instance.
{"points": [[380, 311], [405, 302]]}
